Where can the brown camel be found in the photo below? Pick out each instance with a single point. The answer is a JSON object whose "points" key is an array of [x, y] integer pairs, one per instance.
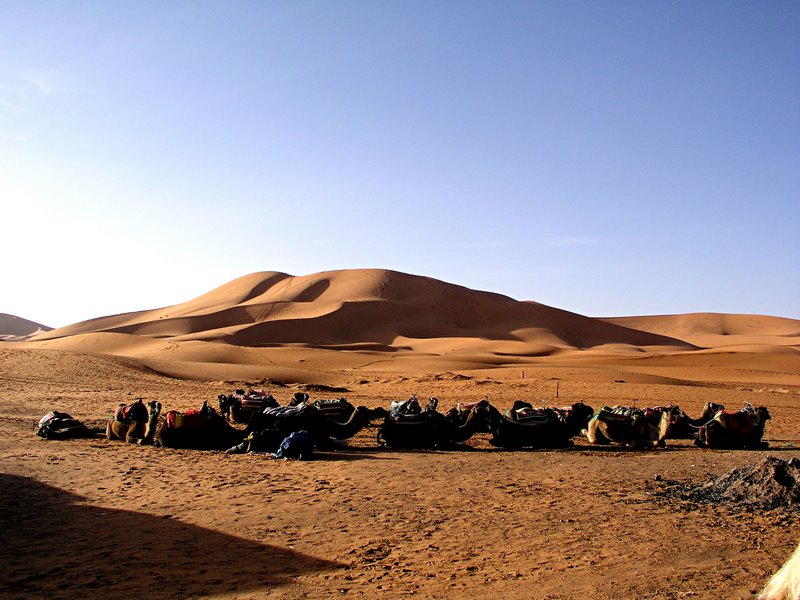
{"points": [[135, 430], [735, 430], [629, 426]]}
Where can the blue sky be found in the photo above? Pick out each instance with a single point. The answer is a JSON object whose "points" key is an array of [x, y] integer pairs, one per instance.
{"points": [[609, 158]]}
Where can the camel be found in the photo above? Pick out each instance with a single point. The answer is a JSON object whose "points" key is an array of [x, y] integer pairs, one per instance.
{"points": [[785, 583], [575, 417], [735, 430], [241, 406], [138, 427], [685, 428], [522, 426], [202, 429], [428, 428], [629, 426], [459, 414], [274, 424]]}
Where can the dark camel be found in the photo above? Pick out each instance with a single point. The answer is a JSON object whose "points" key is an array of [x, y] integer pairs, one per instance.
{"points": [[525, 427], [429, 428], [203, 429], [269, 428], [686, 428], [241, 406], [575, 417]]}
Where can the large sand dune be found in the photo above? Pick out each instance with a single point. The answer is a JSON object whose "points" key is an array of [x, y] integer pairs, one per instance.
{"points": [[268, 322], [369, 310]]}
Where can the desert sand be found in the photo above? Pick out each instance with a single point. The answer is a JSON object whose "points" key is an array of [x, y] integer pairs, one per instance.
{"points": [[92, 518]]}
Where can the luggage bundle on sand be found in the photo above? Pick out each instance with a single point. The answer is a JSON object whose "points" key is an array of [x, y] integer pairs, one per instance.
{"points": [[57, 425]]}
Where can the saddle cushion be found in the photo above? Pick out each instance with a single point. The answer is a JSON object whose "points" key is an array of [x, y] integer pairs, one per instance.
{"points": [[123, 413], [619, 415], [191, 419], [288, 411], [531, 415], [739, 421]]}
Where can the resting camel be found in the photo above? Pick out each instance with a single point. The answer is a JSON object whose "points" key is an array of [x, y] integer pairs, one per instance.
{"points": [[685, 428], [523, 426], [629, 426], [575, 417], [459, 414], [735, 430], [428, 428], [241, 405], [785, 583], [279, 422], [135, 424], [202, 429]]}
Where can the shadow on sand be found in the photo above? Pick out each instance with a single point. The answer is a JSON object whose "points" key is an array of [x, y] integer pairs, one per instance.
{"points": [[54, 546]]}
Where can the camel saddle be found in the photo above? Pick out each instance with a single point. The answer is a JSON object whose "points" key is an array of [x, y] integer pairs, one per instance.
{"points": [[618, 414], [742, 421], [191, 419], [123, 412], [289, 411], [530, 415], [257, 402]]}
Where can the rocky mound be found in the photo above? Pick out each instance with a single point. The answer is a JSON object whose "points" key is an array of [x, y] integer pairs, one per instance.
{"points": [[768, 484]]}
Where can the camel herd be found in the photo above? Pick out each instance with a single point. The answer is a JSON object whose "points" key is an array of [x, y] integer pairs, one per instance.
{"points": [[412, 424]]}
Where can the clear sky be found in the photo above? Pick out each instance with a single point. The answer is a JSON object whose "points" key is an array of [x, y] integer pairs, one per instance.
{"points": [[609, 158]]}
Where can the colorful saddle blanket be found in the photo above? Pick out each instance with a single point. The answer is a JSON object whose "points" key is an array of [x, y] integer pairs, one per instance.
{"points": [[191, 419]]}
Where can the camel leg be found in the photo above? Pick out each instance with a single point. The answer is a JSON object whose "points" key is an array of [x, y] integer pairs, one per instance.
{"points": [[594, 434]]}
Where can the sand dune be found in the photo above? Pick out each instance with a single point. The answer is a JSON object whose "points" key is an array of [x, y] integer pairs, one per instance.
{"points": [[17, 328], [715, 330], [378, 309]]}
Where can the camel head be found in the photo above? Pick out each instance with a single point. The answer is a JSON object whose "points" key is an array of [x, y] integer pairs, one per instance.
{"points": [[377, 413], [153, 408], [581, 413], [299, 398]]}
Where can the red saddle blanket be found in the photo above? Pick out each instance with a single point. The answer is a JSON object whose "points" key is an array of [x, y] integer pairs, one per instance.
{"points": [[191, 419], [740, 421]]}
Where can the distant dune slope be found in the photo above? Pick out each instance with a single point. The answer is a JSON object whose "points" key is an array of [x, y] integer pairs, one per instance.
{"points": [[13, 327], [715, 330], [368, 307]]}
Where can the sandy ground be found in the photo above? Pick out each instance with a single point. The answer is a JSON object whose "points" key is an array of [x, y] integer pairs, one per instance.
{"points": [[93, 518]]}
